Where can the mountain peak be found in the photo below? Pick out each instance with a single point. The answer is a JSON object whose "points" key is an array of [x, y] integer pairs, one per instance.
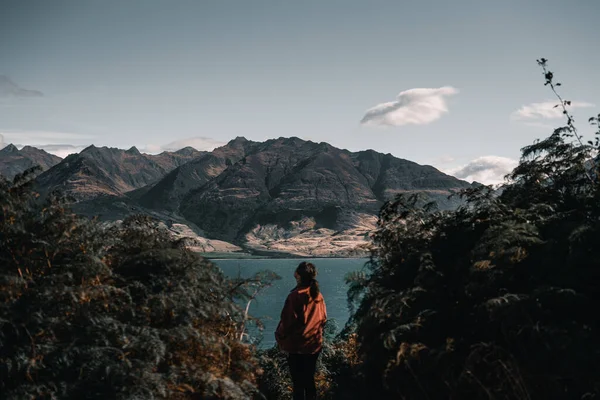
{"points": [[186, 150], [292, 140], [34, 152], [14, 161], [101, 170], [238, 139], [133, 151], [93, 151], [239, 143], [91, 147], [11, 148]]}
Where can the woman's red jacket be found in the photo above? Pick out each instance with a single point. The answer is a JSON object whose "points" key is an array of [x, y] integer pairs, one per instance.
{"points": [[300, 330]]}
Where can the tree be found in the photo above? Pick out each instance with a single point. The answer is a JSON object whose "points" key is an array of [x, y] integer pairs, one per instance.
{"points": [[497, 299], [94, 312]]}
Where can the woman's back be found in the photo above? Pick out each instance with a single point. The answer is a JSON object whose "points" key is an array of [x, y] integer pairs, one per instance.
{"points": [[300, 330], [302, 320]]}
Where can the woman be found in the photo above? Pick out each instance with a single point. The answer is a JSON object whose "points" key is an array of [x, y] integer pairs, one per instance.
{"points": [[300, 331]]}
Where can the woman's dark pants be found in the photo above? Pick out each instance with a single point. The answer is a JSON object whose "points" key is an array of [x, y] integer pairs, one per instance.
{"points": [[302, 369]]}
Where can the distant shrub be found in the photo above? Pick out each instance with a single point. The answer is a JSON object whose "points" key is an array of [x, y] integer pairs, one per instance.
{"points": [[496, 300], [124, 312], [335, 377]]}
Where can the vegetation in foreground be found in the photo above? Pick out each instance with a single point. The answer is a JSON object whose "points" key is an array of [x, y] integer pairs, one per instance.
{"points": [[498, 299], [495, 300], [120, 313]]}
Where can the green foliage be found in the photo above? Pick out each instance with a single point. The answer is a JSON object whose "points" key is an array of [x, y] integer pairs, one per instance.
{"points": [[120, 312], [497, 299]]}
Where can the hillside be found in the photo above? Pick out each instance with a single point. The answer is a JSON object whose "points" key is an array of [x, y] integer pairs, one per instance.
{"points": [[14, 161], [170, 190], [284, 195], [97, 171], [292, 195], [288, 179]]}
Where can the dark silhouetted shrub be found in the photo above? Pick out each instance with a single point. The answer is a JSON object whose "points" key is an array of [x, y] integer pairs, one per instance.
{"points": [[119, 312], [496, 300]]}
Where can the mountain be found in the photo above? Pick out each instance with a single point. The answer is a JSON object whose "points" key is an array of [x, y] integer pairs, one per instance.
{"points": [[14, 161], [10, 89], [169, 191], [252, 193], [281, 196], [97, 171], [169, 160]]}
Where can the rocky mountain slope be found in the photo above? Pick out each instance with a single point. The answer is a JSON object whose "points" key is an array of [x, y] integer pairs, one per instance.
{"points": [[170, 190], [282, 196], [14, 161], [102, 171], [268, 196], [169, 160]]}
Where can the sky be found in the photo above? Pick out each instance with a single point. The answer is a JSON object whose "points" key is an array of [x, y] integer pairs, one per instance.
{"points": [[453, 84]]}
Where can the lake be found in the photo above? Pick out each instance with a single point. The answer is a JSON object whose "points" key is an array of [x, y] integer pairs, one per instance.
{"points": [[268, 305]]}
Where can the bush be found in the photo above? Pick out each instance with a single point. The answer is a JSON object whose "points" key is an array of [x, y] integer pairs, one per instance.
{"points": [[122, 312], [497, 299], [336, 366]]}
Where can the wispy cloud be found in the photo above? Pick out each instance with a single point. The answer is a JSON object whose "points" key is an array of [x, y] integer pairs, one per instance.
{"points": [[418, 106], [197, 142], [445, 159], [61, 150], [33, 137], [65, 143], [489, 170], [9, 89], [545, 110], [51, 141]]}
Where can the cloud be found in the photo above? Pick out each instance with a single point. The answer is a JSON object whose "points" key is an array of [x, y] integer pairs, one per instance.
{"points": [[197, 142], [53, 142], [418, 106], [65, 143], [61, 150], [445, 159], [31, 137], [545, 110], [487, 169], [10, 89]]}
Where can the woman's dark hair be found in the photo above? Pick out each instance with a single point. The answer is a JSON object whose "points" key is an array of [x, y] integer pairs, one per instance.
{"points": [[308, 273]]}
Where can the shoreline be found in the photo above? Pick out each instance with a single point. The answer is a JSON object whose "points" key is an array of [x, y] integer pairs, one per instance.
{"points": [[270, 256], [290, 258]]}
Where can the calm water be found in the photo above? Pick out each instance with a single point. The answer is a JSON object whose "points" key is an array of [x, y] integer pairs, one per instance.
{"points": [[270, 301]]}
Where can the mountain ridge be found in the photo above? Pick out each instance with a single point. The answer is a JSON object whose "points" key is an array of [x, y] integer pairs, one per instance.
{"points": [[14, 161], [280, 196], [109, 171], [275, 177]]}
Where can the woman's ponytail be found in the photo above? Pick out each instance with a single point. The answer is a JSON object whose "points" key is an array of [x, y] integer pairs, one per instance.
{"points": [[308, 272], [314, 289]]}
